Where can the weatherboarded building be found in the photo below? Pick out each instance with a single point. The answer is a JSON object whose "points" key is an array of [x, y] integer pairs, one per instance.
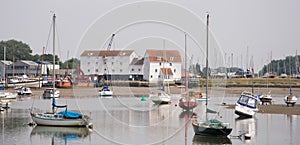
{"points": [[155, 66]]}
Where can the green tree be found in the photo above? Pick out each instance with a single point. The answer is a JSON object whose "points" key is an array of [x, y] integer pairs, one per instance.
{"points": [[71, 64], [15, 50]]}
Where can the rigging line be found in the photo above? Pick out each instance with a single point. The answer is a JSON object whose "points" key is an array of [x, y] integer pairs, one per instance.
{"points": [[48, 37], [58, 43]]}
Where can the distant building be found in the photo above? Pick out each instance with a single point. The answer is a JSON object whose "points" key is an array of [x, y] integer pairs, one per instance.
{"points": [[161, 65], [113, 64], [7, 65], [155, 66], [23, 67]]}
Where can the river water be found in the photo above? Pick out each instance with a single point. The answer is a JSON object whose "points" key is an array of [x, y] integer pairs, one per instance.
{"points": [[128, 120]]}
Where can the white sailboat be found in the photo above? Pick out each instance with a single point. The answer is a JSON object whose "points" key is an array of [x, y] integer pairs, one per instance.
{"points": [[161, 96], [211, 127], [291, 99], [105, 91], [63, 118]]}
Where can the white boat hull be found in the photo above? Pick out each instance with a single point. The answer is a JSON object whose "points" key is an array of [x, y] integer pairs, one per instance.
{"points": [[57, 122], [290, 100], [33, 84], [244, 111], [106, 93]]}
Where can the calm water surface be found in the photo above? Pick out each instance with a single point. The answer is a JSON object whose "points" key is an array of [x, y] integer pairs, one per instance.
{"points": [[127, 120]]}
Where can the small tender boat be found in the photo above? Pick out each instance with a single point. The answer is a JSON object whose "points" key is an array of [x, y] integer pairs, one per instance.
{"points": [[160, 97], [105, 91], [211, 127], [246, 105], [24, 91], [48, 93]]}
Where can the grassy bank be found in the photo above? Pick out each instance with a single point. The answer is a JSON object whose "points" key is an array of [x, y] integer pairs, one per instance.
{"points": [[257, 82]]}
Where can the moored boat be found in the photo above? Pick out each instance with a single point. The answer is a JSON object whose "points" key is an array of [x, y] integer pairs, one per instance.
{"points": [[24, 91], [246, 105], [188, 103], [51, 93], [105, 91], [290, 99], [160, 97], [211, 127]]}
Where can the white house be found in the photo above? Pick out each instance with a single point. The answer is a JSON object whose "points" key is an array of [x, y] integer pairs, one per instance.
{"points": [[108, 63], [161, 65]]}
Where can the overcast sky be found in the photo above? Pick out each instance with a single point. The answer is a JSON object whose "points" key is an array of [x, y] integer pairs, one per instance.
{"points": [[262, 26]]}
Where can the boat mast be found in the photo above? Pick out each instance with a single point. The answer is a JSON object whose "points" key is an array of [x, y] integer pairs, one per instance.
{"points": [[185, 63], [53, 81], [206, 91], [4, 73]]}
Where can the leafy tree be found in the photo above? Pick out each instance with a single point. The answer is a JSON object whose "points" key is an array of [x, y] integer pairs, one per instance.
{"points": [[15, 50], [71, 64]]}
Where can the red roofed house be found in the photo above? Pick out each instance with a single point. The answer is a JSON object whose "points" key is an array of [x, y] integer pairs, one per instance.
{"points": [[161, 65]]}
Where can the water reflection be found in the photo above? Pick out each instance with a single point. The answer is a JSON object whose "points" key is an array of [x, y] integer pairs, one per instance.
{"points": [[211, 140], [187, 114], [58, 135], [246, 126]]}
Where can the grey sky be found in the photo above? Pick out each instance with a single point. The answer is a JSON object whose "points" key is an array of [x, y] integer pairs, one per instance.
{"points": [[262, 26]]}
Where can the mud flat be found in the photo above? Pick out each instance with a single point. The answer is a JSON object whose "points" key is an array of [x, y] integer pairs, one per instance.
{"points": [[275, 109]]}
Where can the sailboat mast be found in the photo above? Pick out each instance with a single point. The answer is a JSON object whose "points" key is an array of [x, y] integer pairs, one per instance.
{"points": [[206, 91], [4, 73], [53, 82], [185, 63]]}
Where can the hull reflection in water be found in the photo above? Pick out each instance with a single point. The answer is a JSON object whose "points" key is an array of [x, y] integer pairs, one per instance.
{"points": [[61, 133], [213, 140]]}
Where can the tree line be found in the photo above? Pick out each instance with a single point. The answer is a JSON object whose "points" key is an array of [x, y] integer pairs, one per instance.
{"points": [[289, 65], [17, 50]]}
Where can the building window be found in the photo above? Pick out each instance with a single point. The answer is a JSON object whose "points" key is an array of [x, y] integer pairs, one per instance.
{"points": [[158, 57], [105, 69], [132, 69], [174, 70], [171, 58], [158, 76], [88, 63], [151, 76], [112, 63], [139, 69], [88, 70], [155, 70], [96, 62], [121, 63], [121, 70], [104, 62], [96, 70], [160, 64], [170, 64], [113, 70]]}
